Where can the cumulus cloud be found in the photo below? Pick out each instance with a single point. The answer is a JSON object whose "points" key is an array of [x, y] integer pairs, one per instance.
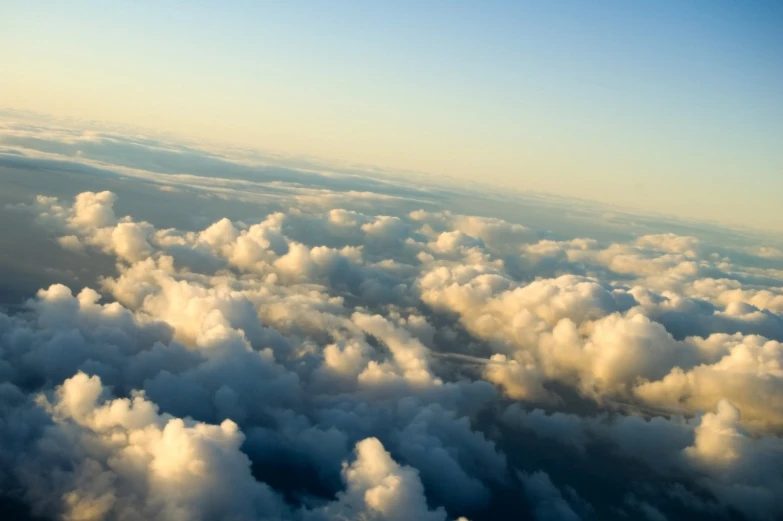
{"points": [[378, 488], [321, 363], [134, 463], [550, 504]]}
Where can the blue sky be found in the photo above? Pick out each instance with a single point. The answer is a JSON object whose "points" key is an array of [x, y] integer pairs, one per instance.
{"points": [[671, 107]]}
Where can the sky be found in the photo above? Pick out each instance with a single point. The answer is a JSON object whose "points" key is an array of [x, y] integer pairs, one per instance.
{"points": [[214, 307], [668, 107]]}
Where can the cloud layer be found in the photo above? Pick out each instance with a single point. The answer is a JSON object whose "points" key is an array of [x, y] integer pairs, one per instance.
{"points": [[325, 363]]}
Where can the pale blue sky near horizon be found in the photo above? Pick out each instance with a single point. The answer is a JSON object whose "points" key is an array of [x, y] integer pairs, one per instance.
{"points": [[666, 106]]}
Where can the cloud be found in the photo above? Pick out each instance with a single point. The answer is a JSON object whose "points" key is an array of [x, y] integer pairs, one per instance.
{"points": [[747, 373], [378, 488], [344, 354], [550, 504], [138, 464]]}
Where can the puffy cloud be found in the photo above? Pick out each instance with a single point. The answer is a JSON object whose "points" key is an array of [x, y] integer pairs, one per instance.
{"points": [[498, 235], [226, 372], [91, 220], [712, 451], [670, 242], [134, 463], [410, 356], [379, 488], [746, 371], [550, 504], [743, 472], [518, 381], [93, 211], [717, 440]]}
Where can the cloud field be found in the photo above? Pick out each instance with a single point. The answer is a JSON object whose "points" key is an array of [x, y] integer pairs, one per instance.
{"points": [[378, 354]]}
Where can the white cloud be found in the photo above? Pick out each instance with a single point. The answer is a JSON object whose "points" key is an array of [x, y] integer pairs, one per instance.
{"points": [[377, 488], [223, 361]]}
